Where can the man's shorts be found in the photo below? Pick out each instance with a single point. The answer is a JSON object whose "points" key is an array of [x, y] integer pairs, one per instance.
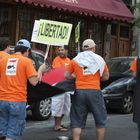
{"points": [[61, 105], [12, 119], [85, 101]]}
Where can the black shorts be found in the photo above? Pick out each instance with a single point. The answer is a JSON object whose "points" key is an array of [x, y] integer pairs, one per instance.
{"points": [[85, 101]]}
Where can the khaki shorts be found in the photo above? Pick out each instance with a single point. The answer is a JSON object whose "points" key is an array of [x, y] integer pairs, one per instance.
{"points": [[61, 105]]}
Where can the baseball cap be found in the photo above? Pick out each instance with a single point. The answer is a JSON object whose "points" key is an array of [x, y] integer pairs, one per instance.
{"points": [[24, 43], [88, 44]]}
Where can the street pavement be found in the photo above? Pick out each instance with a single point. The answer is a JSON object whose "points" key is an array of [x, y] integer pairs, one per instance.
{"points": [[119, 127]]}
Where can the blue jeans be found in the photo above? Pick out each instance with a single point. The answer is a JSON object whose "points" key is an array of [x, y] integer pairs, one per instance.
{"points": [[12, 119]]}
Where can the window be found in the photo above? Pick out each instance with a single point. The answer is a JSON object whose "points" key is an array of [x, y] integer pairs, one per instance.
{"points": [[26, 22], [128, 2], [124, 31], [5, 21], [114, 29], [95, 33]]}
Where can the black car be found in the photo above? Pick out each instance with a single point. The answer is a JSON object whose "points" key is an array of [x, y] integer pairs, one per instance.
{"points": [[118, 90], [41, 110], [119, 67]]}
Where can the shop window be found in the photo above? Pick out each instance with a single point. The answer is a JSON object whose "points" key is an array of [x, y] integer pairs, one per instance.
{"points": [[114, 29], [124, 31], [128, 2], [26, 23], [5, 21], [95, 33]]}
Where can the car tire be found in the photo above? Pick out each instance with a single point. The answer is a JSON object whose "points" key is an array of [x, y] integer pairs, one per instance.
{"points": [[42, 110], [127, 103]]}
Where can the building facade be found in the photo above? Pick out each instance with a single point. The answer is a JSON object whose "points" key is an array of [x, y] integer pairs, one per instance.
{"points": [[107, 22], [136, 31]]}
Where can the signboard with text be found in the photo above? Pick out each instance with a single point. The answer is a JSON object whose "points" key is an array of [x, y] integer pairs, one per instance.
{"points": [[51, 32], [35, 31]]}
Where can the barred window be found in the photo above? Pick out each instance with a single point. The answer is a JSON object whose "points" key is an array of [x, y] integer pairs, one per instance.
{"points": [[5, 20]]}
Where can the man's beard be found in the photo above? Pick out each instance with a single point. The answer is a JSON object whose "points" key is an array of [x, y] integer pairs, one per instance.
{"points": [[63, 56]]}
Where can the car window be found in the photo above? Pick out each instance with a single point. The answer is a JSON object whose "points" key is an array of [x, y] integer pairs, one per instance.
{"points": [[119, 66], [39, 58]]}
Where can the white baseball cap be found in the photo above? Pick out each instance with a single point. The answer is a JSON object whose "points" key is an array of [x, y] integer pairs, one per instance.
{"points": [[24, 43], [88, 44]]}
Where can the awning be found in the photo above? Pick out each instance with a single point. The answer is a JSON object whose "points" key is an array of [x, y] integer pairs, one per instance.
{"points": [[108, 9]]}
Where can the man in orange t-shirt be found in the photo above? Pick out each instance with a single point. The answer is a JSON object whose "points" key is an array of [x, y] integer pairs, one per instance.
{"points": [[4, 47], [89, 68], [60, 104], [15, 70]]}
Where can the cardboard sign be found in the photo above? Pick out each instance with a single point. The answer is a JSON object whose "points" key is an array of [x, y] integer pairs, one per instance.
{"points": [[51, 32], [35, 31]]}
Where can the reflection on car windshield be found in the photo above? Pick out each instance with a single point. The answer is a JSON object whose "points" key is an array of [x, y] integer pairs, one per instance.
{"points": [[39, 58], [119, 66]]}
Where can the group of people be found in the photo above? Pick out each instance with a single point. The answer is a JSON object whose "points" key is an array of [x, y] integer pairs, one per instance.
{"points": [[88, 69]]}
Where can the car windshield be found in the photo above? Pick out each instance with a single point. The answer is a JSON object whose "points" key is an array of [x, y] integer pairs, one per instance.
{"points": [[39, 58], [120, 66]]}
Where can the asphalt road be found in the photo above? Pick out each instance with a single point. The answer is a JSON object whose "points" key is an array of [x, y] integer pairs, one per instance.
{"points": [[119, 127]]}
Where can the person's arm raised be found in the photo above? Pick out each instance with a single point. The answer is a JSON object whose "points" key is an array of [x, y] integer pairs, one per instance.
{"points": [[42, 69]]}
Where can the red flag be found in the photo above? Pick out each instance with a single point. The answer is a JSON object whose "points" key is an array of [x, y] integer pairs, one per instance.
{"points": [[54, 75]]}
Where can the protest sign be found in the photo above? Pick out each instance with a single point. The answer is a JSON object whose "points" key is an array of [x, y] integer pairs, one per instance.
{"points": [[51, 32], [35, 31]]}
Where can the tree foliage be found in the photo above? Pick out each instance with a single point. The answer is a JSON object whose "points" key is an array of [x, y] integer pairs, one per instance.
{"points": [[135, 8]]}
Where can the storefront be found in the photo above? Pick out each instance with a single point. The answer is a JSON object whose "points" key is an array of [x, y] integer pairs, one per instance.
{"points": [[107, 22]]}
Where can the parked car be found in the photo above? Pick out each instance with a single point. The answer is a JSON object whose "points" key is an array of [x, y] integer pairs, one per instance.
{"points": [[41, 110], [118, 90], [118, 68]]}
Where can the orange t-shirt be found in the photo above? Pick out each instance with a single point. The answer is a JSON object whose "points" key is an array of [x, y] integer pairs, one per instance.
{"points": [[134, 65], [14, 72], [3, 54], [85, 80], [59, 62]]}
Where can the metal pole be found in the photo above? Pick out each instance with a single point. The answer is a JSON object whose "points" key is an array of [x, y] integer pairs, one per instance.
{"points": [[78, 47]]}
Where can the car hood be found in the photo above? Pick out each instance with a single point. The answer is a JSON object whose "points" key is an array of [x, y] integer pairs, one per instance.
{"points": [[120, 82]]}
